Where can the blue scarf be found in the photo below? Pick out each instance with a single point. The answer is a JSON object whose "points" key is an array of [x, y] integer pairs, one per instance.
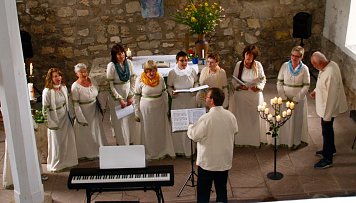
{"points": [[124, 74], [297, 70]]}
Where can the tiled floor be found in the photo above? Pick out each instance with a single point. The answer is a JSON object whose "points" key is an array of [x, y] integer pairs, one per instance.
{"points": [[247, 179]]}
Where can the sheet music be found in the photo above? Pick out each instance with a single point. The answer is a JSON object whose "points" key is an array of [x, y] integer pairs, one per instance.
{"points": [[120, 113], [117, 156], [193, 89], [239, 81], [181, 118]]}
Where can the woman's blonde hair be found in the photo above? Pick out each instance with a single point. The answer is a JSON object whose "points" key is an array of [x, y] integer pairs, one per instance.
{"points": [[149, 65], [298, 49], [49, 81]]}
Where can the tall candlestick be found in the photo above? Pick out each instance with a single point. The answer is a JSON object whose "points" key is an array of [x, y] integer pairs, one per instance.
{"points": [[202, 53], [128, 52], [31, 91], [31, 69]]}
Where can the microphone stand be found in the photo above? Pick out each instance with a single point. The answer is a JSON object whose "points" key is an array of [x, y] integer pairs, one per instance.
{"points": [[192, 172]]}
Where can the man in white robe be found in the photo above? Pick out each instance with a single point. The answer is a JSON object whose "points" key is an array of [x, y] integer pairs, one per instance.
{"points": [[214, 133], [330, 101]]}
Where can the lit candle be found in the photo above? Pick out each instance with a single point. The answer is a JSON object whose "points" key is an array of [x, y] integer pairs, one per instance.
{"points": [[202, 53], [31, 92], [263, 108], [269, 117], [272, 101], [278, 118], [291, 105], [284, 114], [264, 104], [275, 100], [289, 112], [279, 100], [31, 69], [287, 104], [259, 107], [266, 110], [128, 52]]}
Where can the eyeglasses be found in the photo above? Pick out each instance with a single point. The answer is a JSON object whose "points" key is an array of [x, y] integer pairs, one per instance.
{"points": [[150, 70]]}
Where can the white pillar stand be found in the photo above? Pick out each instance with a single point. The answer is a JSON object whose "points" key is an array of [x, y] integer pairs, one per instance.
{"points": [[15, 104]]}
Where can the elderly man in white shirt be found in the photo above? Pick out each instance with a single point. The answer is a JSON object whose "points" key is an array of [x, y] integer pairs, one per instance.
{"points": [[214, 133], [330, 101]]}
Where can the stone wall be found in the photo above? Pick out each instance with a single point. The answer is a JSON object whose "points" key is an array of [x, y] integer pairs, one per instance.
{"points": [[65, 32]]}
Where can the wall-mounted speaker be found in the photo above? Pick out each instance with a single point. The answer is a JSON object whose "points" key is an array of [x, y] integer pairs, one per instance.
{"points": [[302, 25], [26, 44]]}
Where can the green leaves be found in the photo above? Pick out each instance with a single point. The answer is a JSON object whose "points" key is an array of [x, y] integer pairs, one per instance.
{"points": [[39, 118]]}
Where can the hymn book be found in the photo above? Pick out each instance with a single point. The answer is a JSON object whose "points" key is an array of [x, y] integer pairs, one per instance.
{"points": [[193, 89], [181, 118]]}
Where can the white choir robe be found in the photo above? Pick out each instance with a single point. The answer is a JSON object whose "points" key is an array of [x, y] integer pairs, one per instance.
{"points": [[88, 125], [151, 106], [62, 151], [252, 129], [294, 88], [182, 79]]}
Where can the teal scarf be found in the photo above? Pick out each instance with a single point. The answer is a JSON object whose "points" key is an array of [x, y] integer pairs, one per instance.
{"points": [[124, 73], [297, 70]]}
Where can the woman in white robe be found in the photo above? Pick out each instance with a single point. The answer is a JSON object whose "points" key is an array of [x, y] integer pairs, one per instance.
{"points": [[151, 108], [121, 79], [213, 76], [182, 76], [88, 125], [246, 98], [62, 151], [293, 85]]}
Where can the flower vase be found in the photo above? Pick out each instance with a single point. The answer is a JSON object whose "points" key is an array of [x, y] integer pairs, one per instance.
{"points": [[200, 45], [195, 60]]}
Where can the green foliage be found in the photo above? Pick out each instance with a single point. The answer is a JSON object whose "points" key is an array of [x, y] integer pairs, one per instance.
{"points": [[39, 118]]}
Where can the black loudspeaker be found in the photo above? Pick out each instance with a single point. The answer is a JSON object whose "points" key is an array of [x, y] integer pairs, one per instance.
{"points": [[26, 45], [302, 25]]}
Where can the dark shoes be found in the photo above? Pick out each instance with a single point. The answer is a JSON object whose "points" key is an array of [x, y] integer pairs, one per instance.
{"points": [[44, 177], [323, 163], [320, 153]]}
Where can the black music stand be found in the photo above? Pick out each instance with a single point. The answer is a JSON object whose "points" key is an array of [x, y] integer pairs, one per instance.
{"points": [[192, 172]]}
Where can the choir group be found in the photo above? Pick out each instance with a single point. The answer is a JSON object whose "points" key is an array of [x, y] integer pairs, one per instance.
{"points": [[75, 124]]}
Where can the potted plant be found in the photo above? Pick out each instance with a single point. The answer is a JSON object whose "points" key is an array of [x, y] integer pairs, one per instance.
{"points": [[201, 16]]}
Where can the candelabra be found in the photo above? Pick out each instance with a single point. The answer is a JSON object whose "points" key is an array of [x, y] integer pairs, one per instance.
{"points": [[275, 119]]}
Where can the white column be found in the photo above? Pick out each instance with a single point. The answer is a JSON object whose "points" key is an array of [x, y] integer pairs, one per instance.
{"points": [[16, 110]]}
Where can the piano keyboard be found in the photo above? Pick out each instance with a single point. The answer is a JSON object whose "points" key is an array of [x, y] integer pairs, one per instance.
{"points": [[121, 178], [104, 180]]}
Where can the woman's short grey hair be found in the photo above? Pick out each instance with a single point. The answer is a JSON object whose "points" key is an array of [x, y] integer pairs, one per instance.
{"points": [[79, 67]]}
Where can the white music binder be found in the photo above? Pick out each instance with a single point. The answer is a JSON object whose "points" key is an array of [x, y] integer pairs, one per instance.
{"points": [[126, 156]]}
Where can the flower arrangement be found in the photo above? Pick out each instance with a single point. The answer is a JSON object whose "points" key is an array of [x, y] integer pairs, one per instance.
{"points": [[201, 16]]}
